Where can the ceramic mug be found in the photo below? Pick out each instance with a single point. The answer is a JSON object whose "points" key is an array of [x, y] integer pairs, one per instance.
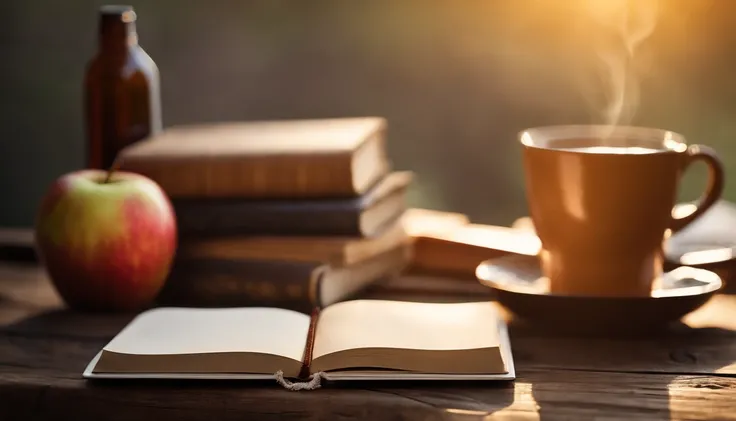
{"points": [[601, 199]]}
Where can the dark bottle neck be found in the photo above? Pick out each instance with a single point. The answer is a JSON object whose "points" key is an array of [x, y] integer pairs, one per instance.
{"points": [[117, 30]]}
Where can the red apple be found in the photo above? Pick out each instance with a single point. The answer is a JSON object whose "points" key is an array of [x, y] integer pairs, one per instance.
{"points": [[107, 245]]}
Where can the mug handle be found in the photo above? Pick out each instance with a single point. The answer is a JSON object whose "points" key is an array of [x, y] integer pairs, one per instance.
{"points": [[714, 189]]}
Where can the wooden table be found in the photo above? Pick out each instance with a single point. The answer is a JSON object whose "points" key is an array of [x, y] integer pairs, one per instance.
{"points": [[684, 374]]}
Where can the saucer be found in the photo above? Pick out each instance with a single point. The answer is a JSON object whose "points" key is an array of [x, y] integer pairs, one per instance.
{"points": [[520, 287], [718, 257]]}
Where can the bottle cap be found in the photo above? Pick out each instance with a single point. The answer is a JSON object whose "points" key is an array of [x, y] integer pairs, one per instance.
{"points": [[125, 13]]}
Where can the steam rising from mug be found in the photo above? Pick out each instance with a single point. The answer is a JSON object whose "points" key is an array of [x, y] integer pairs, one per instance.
{"points": [[626, 24]]}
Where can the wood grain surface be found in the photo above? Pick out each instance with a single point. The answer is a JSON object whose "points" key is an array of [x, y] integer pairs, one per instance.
{"points": [[686, 373]]}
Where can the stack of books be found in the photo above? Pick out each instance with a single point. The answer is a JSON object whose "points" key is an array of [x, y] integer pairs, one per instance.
{"points": [[292, 214]]}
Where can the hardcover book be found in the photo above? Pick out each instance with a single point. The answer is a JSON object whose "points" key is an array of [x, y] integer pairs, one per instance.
{"points": [[459, 251], [338, 251], [361, 216], [300, 286], [341, 157]]}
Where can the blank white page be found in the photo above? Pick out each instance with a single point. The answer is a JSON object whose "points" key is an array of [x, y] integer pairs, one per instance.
{"points": [[168, 330], [406, 325]]}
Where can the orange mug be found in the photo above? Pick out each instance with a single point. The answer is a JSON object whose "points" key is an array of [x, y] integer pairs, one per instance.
{"points": [[601, 200]]}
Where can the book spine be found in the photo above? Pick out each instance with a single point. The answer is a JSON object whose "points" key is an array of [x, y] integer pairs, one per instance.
{"points": [[287, 176], [229, 283], [202, 219], [305, 372]]}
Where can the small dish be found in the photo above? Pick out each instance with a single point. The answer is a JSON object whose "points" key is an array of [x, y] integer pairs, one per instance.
{"points": [[520, 287], [715, 256]]}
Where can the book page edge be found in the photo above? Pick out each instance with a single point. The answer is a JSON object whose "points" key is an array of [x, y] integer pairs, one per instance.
{"points": [[89, 373], [506, 355]]}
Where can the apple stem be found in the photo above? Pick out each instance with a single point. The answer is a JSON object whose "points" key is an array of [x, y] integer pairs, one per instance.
{"points": [[114, 167]]}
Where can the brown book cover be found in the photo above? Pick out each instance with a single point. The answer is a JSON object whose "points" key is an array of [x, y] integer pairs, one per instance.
{"points": [[361, 216], [428, 287], [337, 251], [300, 286], [319, 158], [459, 251]]}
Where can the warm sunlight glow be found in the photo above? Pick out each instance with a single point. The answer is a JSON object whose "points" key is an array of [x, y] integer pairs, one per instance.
{"points": [[684, 273], [526, 139], [469, 412], [521, 405], [673, 144], [606, 10], [707, 256], [683, 210], [498, 238]]}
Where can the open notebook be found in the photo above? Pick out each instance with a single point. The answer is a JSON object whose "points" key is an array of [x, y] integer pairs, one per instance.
{"points": [[352, 340]]}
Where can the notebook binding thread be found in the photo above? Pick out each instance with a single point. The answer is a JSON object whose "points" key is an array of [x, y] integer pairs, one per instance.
{"points": [[315, 382]]}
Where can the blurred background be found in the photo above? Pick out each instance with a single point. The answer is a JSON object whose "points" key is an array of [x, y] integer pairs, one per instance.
{"points": [[456, 80]]}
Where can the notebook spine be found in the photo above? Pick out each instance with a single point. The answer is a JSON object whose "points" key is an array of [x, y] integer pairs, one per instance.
{"points": [[309, 346]]}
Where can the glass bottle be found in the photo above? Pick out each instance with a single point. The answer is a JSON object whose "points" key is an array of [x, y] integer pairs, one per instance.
{"points": [[121, 89]]}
